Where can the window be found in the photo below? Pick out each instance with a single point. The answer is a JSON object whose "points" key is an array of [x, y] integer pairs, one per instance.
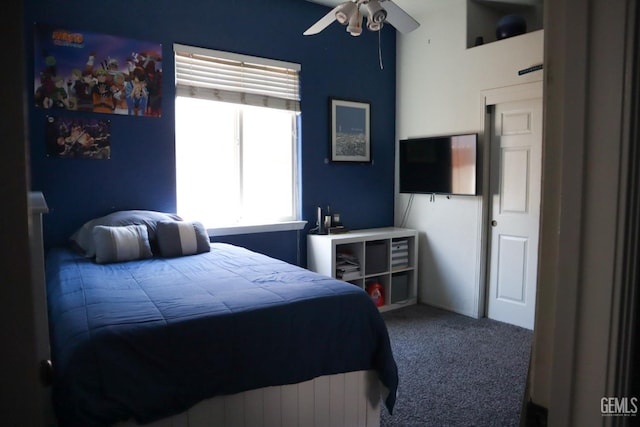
{"points": [[236, 138]]}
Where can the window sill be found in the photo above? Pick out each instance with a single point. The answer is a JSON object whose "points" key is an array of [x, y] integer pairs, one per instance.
{"points": [[256, 228]]}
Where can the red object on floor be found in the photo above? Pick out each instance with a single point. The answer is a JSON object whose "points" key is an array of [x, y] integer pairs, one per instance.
{"points": [[376, 292]]}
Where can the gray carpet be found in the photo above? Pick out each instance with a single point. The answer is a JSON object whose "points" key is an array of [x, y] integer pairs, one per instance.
{"points": [[455, 370]]}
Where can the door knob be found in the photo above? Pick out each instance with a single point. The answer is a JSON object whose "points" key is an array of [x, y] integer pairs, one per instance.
{"points": [[494, 223]]}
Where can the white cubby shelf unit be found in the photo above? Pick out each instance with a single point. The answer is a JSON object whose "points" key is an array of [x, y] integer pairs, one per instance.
{"points": [[387, 256]]}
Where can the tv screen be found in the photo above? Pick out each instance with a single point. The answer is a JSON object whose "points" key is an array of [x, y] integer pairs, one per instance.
{"points": [[439, 165]]}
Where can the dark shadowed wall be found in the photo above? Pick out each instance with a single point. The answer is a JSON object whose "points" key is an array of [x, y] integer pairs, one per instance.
{"points": [[141, 171]]}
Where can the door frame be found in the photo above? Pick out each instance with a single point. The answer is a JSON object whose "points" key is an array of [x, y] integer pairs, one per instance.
{"points": [[489, 98]]}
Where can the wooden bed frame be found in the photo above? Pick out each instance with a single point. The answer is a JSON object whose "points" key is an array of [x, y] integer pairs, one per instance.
{"points": [[340, 400]]}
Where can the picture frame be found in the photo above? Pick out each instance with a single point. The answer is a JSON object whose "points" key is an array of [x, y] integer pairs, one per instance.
{"points": [[350, 131], [78, 137], [77, 70]]}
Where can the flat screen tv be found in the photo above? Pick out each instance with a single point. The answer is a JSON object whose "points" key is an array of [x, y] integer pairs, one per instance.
{"points": [[439, 165]]}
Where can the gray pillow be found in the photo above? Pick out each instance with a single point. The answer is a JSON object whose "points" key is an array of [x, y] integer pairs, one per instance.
{"points": [[182, 238], [82, 238], [123, 243]]}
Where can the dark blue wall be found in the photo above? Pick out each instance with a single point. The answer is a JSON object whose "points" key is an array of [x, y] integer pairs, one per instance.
{"points": [[141, 172]]}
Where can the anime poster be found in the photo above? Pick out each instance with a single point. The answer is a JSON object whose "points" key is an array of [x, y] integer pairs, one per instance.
{"points": [[78, 138], [84, 71]]}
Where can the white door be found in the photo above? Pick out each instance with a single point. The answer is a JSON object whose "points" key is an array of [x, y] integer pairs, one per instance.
{"points": [[516, 153]]}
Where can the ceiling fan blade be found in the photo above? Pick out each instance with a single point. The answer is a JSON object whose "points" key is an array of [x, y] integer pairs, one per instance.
{"points": [[323, 23], [397, 17]]}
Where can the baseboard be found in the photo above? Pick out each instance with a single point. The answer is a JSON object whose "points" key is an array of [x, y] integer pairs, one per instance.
{"points": [[448, 308], [534, 415]]}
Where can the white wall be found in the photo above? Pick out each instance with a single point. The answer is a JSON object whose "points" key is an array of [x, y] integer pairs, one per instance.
{"points": [[439, 86]]}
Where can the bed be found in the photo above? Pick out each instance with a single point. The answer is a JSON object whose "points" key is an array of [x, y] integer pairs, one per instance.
{"points": [[155, 337]]}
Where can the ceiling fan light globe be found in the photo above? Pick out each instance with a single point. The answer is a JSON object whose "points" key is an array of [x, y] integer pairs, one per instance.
{"points": [[341, 17], [345, 12], [355, 23], [376, 12], [379, 16], [355, 29], [374, 26]]}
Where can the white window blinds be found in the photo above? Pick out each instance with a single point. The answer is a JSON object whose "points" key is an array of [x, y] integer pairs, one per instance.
{"points": [[240, 79]]}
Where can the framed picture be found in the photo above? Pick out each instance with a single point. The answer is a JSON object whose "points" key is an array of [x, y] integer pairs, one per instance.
{"points": [[76, 137], [76, 70], [350, 131]]}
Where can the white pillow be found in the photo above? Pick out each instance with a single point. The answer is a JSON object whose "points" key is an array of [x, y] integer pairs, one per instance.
{"points": [[117, 244]]}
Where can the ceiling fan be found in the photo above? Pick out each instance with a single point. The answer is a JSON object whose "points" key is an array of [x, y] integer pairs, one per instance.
{"points": [[349, 15]]}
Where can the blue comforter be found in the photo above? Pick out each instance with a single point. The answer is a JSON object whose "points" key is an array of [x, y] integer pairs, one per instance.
{"points": [[148, 339]]}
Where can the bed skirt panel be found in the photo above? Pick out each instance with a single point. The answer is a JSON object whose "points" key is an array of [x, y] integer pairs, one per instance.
{"points": [[342, 400]]}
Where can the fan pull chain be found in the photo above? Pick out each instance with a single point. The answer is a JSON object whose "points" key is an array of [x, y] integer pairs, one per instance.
{"points": [[380, 48]]}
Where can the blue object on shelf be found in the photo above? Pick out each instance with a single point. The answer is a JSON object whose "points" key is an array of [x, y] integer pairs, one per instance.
{"points": [[510, 25]]}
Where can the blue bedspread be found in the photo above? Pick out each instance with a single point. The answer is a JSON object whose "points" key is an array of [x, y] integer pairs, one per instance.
{"points": [[148, 339]]}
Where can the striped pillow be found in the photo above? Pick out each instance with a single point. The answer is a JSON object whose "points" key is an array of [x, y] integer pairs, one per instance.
{"points": [[82, 239], [121, 243], [178, 238]]}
